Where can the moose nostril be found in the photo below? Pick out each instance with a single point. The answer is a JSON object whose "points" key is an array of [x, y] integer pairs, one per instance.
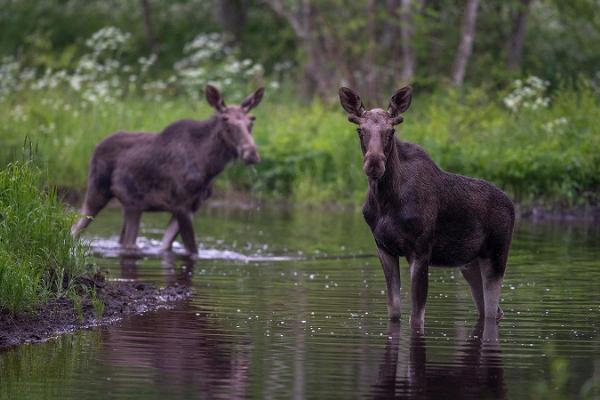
{"points": [[374, 167]]}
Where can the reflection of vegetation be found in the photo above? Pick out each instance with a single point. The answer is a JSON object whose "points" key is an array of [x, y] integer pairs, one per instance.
{"points": [[558, 384], [32, 372], [38, 256]]}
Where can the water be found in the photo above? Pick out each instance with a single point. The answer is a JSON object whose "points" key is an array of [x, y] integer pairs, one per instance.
{"points": [[291, 304]]}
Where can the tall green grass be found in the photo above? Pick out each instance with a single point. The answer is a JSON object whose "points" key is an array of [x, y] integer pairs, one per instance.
{"points": [[311, 153], [39, 258]]}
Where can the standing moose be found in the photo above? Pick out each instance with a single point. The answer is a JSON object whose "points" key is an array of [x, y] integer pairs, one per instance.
{"points": [[171, 171], [432, 217]]}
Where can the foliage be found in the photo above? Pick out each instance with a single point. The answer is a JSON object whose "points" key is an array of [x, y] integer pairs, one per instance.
{"points": [[361, 41], [102, 74], [38, 256], [67, 88], [311, 154]]}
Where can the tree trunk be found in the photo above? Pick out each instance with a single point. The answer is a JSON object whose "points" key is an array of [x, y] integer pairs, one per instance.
{"points": [[517, 37], [301, 18], [466, 43], [370, 69], [149, 26], [406, 35], [231, 16]]}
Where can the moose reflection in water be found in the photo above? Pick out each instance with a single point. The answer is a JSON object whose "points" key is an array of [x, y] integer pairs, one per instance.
{"points": [[171, 171], [180, 348], [174, 274], [190, 353], [475, 372]]}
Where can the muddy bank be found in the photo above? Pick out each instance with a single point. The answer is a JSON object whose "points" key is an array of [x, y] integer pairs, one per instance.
{"points": [[119, 299]]}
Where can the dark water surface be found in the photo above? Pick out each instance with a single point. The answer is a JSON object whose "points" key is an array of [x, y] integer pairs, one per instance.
{"points": [[291, 304]]}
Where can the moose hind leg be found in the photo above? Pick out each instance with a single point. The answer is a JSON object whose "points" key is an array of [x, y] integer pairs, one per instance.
{"points": [[391, 271], [131, 225], [94, 202], [170, 234], [419, 270], [492, 274], [186, 229], [472, 275]]}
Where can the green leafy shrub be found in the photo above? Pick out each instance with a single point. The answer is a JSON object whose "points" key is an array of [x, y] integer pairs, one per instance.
{"points": [[38, 256], [310, 152]]}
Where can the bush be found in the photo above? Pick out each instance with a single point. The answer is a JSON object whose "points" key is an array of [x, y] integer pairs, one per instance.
{"points": [[39, 258]]}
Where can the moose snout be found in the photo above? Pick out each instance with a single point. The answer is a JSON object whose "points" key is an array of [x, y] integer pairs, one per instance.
{"points": [[250, 155], [374, 165]]}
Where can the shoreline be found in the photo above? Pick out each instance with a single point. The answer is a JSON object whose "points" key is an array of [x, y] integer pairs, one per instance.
{"points": [[60, 316]]}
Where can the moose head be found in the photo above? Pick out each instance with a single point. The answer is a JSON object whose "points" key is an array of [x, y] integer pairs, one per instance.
{"points": [[237, 123], [375, 127]]}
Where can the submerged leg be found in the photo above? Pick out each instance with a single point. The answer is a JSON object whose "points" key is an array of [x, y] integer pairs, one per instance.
{"points": [[472, 275], [391, 271]]}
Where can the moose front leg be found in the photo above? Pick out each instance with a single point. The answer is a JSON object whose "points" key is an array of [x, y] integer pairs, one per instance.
{"points": [[186, 229], [419, 270], [391, 271], [170, 234], [131, 225]]}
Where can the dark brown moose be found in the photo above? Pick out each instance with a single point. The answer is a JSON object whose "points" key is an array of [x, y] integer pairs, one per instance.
{"points": [[171, 171], [432, 217]]}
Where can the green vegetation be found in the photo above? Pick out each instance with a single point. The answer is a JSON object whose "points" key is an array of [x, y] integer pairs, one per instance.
{"points": [[311, 153], [520, 111], [39, 259]]}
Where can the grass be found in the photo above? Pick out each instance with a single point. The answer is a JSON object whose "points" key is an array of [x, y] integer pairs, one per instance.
{"points": [[39, 259], [311, 153]]}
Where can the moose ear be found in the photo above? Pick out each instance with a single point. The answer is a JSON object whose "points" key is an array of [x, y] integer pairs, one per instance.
{"points": [[253, 100], [400, 102], [352, 103], [213, 96]]}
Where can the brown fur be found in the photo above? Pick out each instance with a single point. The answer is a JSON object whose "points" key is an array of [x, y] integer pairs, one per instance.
{"points": [[431, 217], [171, 171]]}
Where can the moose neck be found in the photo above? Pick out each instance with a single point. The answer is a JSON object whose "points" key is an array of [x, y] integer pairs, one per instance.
{"points": [[385, 188]]}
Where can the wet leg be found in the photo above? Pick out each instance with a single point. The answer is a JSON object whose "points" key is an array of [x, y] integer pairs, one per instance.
{"points": [[391, 270], [419, 269], [492, 275], [170, 234], [472, 275], [131, 225], [186, 229]]}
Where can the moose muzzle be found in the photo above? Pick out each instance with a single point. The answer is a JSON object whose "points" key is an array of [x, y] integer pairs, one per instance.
{"points": [[250, 155], [374, 165]]}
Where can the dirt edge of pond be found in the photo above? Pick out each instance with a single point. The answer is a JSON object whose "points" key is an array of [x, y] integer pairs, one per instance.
{"points": [[60, 316]]}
